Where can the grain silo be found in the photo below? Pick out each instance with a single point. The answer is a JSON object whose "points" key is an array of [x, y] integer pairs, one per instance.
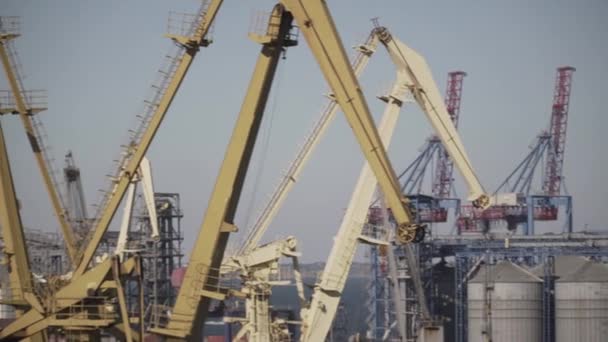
{"points": [[563, 265], [504, 304], [581, 304]]}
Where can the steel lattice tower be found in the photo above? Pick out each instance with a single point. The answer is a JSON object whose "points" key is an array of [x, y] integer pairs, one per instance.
{"points": [[442, 183], [559, 120], [550, 147]]}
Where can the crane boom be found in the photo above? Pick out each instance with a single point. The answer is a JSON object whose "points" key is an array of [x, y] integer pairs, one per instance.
{"points": [[263, 221], [318, 317], [138, 147], [200, 283], [42, 160], [413, 73], [428, 97]]}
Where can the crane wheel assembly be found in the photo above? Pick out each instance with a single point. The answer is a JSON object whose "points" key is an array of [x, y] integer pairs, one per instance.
{"points": [[407, 233], [482, 202]]}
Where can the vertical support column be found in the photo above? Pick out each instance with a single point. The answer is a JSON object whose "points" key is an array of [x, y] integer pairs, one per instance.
{"points": [[569, 223], [461, 269], [122, 300], [141, 293], [549, 299], [372, 318], [530, 202]]}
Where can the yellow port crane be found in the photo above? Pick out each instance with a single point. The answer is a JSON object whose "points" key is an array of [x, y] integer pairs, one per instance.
{"points": [[317, 26], [87, 300]]}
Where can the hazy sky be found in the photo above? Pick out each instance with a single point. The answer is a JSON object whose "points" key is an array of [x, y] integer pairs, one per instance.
{"points": [[98, 58]]}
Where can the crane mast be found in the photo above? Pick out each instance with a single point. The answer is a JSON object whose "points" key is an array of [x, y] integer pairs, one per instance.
{"points": [[75, 196], [32, 126]]}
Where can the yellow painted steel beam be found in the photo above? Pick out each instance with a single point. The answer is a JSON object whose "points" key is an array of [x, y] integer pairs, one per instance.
{"points": [[15, 250], [25, 116], [317, 26], [122, 300], [193, 44], [100, 279], [68, 306], [20, 281], [202, 273]]}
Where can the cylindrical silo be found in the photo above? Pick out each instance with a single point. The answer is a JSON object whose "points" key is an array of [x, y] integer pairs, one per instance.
{"points": [[563, 265], [581, 304], [504, 304]]}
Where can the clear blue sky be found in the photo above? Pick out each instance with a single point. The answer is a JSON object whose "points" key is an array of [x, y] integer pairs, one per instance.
{"points": [[98, 58]]}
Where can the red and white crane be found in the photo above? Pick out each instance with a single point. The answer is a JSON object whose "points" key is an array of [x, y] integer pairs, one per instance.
{"points": [[531, 205]]}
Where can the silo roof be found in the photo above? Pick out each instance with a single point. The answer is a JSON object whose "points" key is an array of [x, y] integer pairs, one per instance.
{"points": [[504, 272], [590, 272], [564, 265]]}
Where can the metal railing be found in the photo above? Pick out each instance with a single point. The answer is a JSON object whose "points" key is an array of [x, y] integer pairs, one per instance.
{"points": [[35, 101], [10, 25], [157, 91]]}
